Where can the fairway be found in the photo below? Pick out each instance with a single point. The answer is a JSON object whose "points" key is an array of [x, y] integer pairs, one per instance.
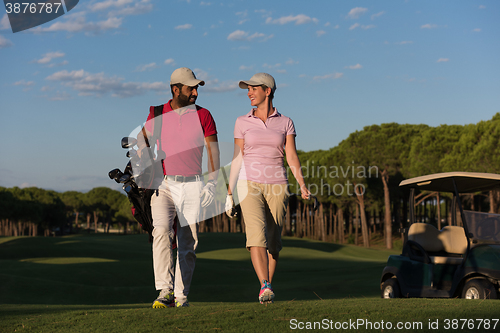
{"points": [[104, 283]]}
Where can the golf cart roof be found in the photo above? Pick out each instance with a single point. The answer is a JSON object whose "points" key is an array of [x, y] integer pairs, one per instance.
{"points": [[467, 182]]}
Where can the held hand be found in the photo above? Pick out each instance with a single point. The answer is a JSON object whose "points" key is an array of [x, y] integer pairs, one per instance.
{"points": [[304, 192], [207, 194], [230, 209]]}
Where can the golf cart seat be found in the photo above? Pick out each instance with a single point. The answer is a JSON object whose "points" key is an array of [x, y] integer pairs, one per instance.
{"points": [[441, 247]]}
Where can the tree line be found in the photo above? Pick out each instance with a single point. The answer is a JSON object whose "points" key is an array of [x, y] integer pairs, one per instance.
{"points": [[33, 211], [356, 183], [358, 180]]}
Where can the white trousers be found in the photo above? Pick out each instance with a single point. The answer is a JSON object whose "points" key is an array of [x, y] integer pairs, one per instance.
{"points": [[183, 200]]}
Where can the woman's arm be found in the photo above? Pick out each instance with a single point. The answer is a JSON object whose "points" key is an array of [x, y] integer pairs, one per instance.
{"points": [[293, 161], [236, 164]]}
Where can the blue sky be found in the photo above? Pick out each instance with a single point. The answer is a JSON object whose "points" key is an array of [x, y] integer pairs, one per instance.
{"points": [[73, 87]]}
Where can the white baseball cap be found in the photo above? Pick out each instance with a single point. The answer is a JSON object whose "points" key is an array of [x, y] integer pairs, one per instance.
{"points": [[185, 76], [259, 79]]}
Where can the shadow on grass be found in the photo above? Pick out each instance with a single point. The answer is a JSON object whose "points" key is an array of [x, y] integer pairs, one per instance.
{"points": [[62, 271]]}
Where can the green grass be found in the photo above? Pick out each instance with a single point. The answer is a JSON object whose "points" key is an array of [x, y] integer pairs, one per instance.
{"points": [[104, 283]]}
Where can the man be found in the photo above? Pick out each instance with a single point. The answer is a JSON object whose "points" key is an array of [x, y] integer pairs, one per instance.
{"points": [[186, 128]]}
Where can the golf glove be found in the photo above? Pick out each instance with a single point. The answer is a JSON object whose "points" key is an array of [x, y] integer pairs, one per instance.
{"points": [[230, 209], [207, 194]]}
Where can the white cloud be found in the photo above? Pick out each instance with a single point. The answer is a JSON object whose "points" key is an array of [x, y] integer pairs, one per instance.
{"points": [[4, 42], [443, 60], [298, 19], [26, 84], [148, 67], [364, 27], [328, 76], [246, 68], [404, 42], [243, 16], [213, 84], [290, 61], [169, 61], [219, 87], [476, 30], [240, 35], [88, 84], [103, 5], [138, 8], [78, 23], [374, 16], [184, 26], [49, 56], [25, 185], [4, 23], [429, 26], [356, 12], [357, 66], [482, 7], [320, 33], [122, 8], [60, 96], [237, 35], [271, 66]]}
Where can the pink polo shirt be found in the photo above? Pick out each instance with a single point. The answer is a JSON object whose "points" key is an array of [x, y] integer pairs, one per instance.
{"points": [[264, 147], [183, 138]]}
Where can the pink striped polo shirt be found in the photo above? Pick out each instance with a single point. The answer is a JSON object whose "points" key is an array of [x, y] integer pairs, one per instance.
{"points": [[264, 147]]}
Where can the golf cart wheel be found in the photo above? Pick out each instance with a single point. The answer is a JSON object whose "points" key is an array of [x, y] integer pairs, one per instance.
{"points": [[390, 289], [479, 289]]}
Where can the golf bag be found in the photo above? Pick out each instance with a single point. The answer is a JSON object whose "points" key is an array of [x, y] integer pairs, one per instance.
{"points": [[141, 188]]}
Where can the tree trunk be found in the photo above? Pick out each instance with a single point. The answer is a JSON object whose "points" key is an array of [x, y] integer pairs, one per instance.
{"points": [[88, 222], [387, 204], [322, 222], [340, 221], [364, 225], [96, 217], [356, 226]]}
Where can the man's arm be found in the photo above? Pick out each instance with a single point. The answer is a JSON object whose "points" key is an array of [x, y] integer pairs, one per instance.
{"points": [[213, 160]]}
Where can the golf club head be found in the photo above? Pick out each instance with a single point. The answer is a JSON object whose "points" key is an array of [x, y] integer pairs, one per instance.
{"points": [[131, 153], [112, 174], [128, 142], [125, 178], [316, 202], [129, 186], [115, 174]]}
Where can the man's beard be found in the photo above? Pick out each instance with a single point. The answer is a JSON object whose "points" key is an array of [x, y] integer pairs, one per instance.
{"points": [[184, 100]]}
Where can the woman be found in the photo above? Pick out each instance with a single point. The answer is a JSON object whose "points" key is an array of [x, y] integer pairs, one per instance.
{"points": [[261, 139]]}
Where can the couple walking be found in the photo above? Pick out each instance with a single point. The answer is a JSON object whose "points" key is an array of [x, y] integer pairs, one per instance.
{"points": [[262, 138]]}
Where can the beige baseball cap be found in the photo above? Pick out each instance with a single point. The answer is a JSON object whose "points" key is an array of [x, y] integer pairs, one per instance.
{"points": [[185, 76], [259, 79]]}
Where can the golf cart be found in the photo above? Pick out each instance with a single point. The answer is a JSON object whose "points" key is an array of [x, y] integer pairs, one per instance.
{"points": [[455, 261]]}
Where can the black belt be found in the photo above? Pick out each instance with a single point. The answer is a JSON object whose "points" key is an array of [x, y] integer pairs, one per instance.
{"points": [[183, 179]]}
